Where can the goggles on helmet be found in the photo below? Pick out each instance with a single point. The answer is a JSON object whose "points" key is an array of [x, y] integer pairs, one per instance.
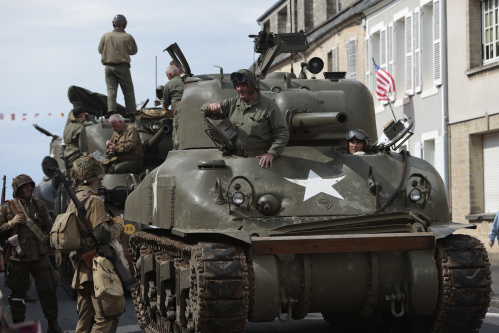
{"points": [[356, 134], [237, 77]]}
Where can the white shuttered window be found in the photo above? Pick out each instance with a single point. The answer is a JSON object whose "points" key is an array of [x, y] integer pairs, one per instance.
{"points": [[491, 172], [409, 70], [437, 43], [417, 50], [352, 59]]}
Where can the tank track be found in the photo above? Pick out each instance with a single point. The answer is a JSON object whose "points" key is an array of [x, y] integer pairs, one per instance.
{"points": [[208, 292], [465, 284]]}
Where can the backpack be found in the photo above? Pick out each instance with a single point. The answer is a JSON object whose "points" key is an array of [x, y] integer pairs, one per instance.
{"points": [[65, 234]]}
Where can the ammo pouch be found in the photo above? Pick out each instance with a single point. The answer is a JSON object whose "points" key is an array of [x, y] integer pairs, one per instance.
{"points": [[42, 237]]}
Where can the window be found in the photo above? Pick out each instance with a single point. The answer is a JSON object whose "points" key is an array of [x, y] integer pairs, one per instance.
{"points": [[334, 60], [282, 20], [490, 30], [491, 171], [400, 56], [352, 59]]}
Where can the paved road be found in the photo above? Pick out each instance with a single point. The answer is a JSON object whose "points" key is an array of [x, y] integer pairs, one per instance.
{"points": [[128, 321]]}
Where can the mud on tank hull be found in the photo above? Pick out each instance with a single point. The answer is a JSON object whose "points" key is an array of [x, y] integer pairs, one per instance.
{"points": [[358, 254]]}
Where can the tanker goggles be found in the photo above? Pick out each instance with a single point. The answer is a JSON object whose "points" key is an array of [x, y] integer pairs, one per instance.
{"points": [[356, 134], [237, 77]]}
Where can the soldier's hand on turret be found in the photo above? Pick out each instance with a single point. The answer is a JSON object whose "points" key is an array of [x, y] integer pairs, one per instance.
{"points": [[214, 108], [16, 220], [57, 258], [266, 160]]}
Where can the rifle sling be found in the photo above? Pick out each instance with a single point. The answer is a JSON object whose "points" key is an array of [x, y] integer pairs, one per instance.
{"points": [[35, 229]]}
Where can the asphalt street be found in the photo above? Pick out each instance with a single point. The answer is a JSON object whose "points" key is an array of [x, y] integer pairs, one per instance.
{"points": [[128, 321]]}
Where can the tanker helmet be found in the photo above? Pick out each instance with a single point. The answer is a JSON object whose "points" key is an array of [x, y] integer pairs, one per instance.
{"points": [[119, 21], [86, 170], [359, 135], [242, 76], [19, 181]]}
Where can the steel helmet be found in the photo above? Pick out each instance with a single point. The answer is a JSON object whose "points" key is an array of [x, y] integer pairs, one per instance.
{"points": [[19, 181], [85, 170], [119, 21]]}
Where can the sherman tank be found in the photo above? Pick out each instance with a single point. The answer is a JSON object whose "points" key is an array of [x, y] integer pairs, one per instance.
{"points": [[366, 240], [155, 133]]}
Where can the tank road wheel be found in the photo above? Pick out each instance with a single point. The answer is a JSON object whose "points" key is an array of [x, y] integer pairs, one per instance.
{"points": [[465, 279], [218, 296]]}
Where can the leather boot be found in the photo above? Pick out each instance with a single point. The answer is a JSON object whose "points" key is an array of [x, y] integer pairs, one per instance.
{"points": [[53, 326]]}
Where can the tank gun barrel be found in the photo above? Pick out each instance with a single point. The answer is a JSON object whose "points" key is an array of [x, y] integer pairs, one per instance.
{"points": [[317, 119], [156, 138], [44, 131]]}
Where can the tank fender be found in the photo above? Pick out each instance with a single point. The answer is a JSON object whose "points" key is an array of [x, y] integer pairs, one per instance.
{"points": [[266, 301], [444, 230], [422, 283]]}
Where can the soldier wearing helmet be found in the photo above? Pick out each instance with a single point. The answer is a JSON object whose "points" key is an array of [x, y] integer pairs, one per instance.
{"points": [[116, 47], [94, 314], [262, 131], [172, 94], [358, 142], [29, 219]]}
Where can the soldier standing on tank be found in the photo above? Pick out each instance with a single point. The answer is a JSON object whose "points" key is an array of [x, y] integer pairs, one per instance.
{"points": [[29, 219], [75, 138], [357, 142], [126, 147], [262, 131], [172, 95], [116, 48], [94, 314]]}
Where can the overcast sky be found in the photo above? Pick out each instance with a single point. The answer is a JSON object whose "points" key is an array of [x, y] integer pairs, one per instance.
{"points": [[47, 46]]}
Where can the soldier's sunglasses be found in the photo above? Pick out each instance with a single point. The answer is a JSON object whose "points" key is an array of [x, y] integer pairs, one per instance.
{"points": [[237, 77], [355, 134]]}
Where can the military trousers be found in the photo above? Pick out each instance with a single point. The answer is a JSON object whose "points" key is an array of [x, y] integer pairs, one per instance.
{"points": [[120, 75], [92, 316], [130, 166], [46, 282]]}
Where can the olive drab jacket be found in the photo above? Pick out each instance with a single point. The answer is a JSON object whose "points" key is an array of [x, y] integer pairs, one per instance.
{"points": [[128, 144], [104, 230], [35, 244], [75, 141], [116, 47], [260, 125], [173, 91]]}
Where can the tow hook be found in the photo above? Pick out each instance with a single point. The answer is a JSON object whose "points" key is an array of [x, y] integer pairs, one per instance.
{"points": [[394, 298]]}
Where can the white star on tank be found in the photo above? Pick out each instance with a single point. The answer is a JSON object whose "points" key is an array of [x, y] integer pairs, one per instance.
{"points": [[315, 185]]}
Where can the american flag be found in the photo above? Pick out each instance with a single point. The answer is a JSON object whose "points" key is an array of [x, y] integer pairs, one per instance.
{"points": [[384, 83]]}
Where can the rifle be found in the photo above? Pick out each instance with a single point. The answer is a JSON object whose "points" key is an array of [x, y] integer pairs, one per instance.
{"points": [[126, 278], [3, 189]]}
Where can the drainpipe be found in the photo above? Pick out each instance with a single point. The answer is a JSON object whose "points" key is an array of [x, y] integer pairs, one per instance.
{"points": [[445, 96]]}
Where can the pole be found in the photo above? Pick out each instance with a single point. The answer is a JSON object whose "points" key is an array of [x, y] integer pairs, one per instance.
{"points": [[393, 113]]}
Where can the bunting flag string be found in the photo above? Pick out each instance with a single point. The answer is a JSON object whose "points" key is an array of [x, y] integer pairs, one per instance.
{"points": [[27, 116]]}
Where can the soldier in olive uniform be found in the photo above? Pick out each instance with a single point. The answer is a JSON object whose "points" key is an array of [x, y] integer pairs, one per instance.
{"points": [[172, 95], [261, 128], [126, 147], [116, 48], [97, 315], [29, 219], [75, 138]]}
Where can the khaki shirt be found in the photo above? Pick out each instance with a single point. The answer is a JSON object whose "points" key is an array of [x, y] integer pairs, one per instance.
{"points": [[104, 229], [75, 140], [36, 210], [172, 94], [116, 47], [128, 144], [260, 125]]}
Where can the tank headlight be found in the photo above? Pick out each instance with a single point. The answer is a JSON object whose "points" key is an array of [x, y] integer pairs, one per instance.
{"points": [[238, 198], [415, 195]]}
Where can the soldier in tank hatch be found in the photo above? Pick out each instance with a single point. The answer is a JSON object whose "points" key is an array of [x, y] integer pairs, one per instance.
{"points": [[262, 131]]}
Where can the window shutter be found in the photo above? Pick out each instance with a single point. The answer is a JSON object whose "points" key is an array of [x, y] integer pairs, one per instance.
{"points": [[409, 70], [437, 43], [368, 62], [352, 58], [491, 171], [334, 56], [417, 50], [382, 49], [417, 149], [390, 51]]}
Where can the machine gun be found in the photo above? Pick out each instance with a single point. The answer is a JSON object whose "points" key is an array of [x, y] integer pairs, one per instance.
{"points": [[44, 131], [126, 278]]}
